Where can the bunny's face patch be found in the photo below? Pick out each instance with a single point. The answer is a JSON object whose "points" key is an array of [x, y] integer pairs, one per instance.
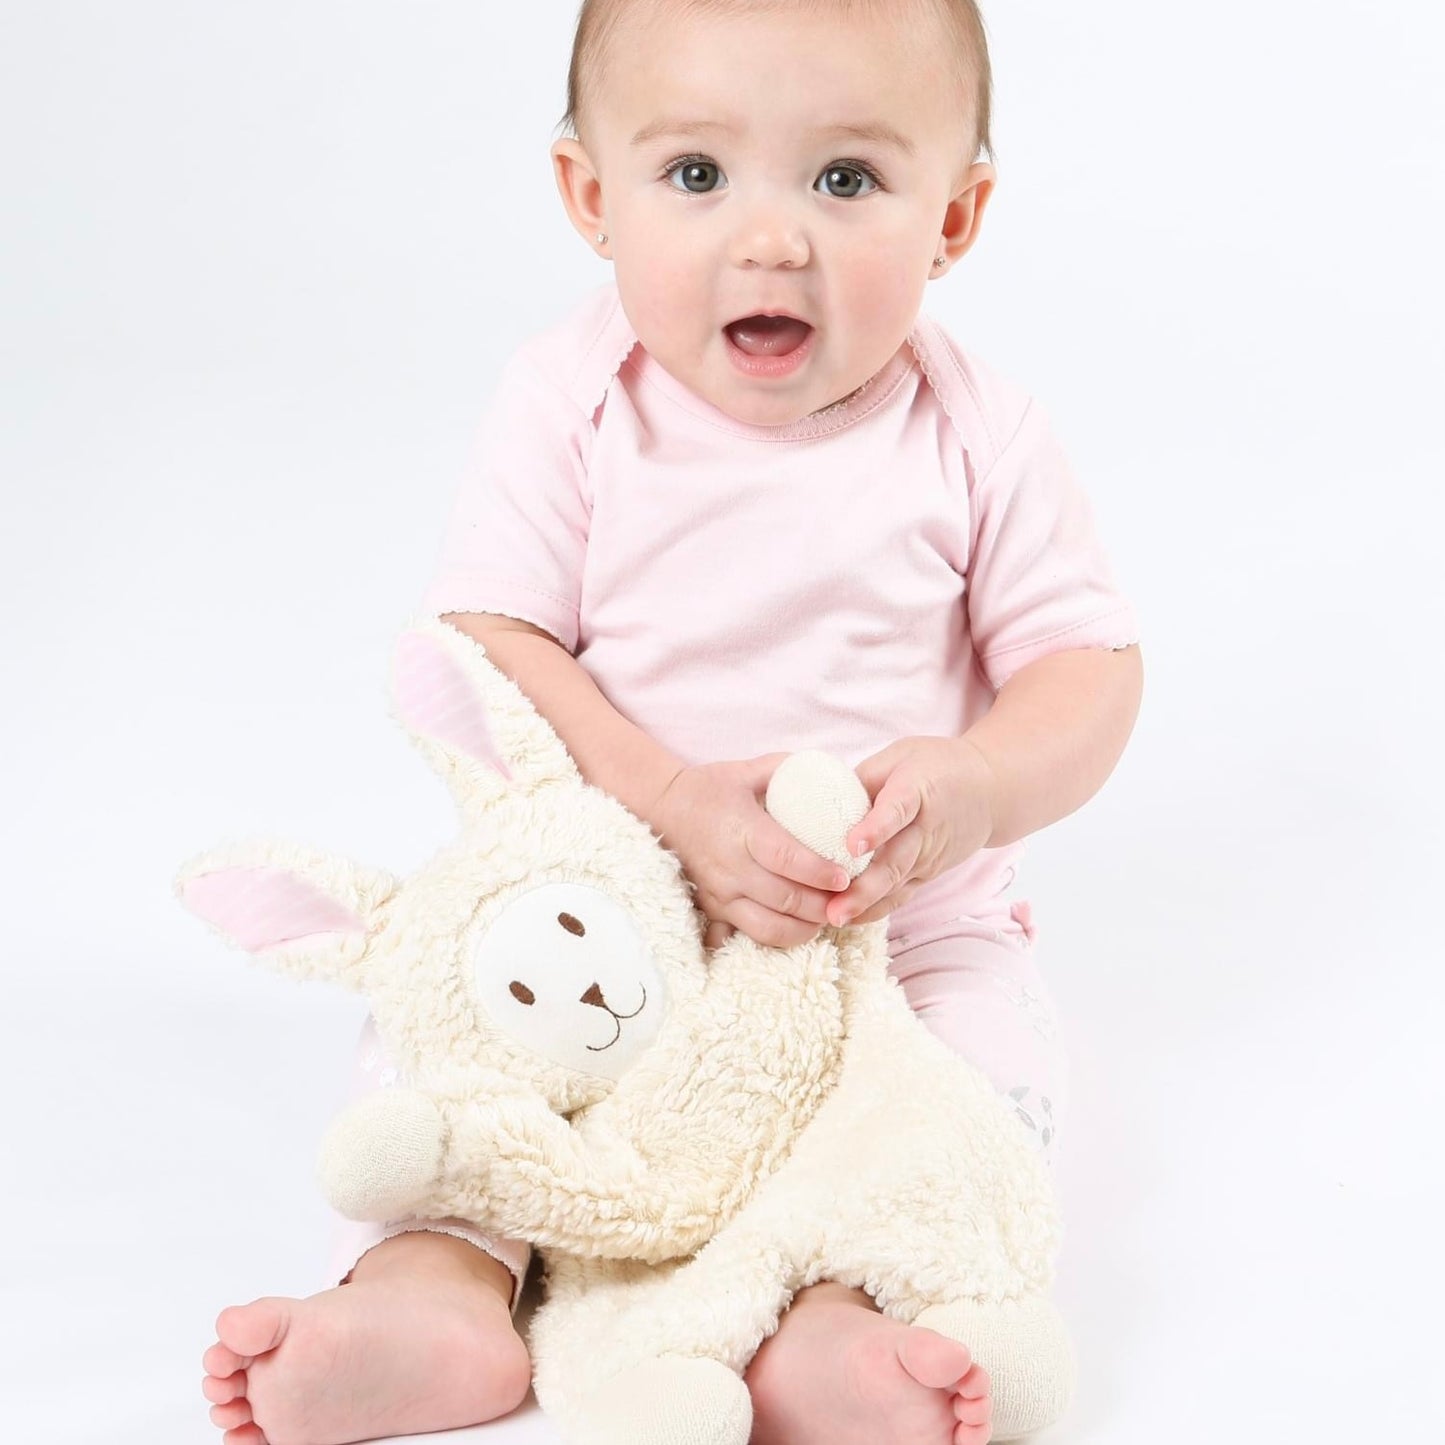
{"points": [[565, 971]]}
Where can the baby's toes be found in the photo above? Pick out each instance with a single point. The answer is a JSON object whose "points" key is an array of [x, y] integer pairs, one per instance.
{"points": [[975, 1385], [220, 1360], [246, 1435], [934, 1360], [253, 1329], [973, 1408], [972, 1412], [220, 1391], [231, 1416]]}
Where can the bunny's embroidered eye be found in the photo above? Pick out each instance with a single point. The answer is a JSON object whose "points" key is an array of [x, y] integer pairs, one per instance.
{"points": [[534, 957]]}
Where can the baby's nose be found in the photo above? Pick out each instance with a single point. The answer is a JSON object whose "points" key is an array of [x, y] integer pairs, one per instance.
{"points": [[769, 242]]}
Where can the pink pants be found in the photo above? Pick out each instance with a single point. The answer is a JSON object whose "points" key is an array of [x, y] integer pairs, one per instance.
{"points": [[971, 979]]}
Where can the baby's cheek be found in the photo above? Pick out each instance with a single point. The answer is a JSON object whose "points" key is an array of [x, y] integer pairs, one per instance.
{"points": [[883, 297]]}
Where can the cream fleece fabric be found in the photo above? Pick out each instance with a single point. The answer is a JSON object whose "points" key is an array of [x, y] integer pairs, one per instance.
{"points": [[690, 1139]]}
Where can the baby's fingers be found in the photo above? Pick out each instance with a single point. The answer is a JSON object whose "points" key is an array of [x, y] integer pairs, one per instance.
{"points": [[716, 935], [886, 905], [882, 885], [775, 849], [782, 895], [898, 803], [772, 930]]}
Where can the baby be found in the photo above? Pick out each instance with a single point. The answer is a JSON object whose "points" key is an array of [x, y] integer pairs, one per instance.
{"points": [[749, 499]]}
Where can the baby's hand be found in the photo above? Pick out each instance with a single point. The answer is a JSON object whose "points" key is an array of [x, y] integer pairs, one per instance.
{"points": [[932, 809], [749, 872]]}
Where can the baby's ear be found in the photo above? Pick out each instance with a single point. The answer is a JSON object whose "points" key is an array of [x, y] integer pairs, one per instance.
{"points": [[303, 913], [476, 727]]}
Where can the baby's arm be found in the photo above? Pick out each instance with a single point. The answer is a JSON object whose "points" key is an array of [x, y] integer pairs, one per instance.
{"points": [[610, 752], [749, 872], [1053, 735]]}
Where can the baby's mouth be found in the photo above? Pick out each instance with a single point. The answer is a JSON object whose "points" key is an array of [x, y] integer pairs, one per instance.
{"points": [[767, 335]]}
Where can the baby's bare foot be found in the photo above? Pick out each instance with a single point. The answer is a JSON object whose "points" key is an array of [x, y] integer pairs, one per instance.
{"points": [[839, 1373], [420, 1340]]}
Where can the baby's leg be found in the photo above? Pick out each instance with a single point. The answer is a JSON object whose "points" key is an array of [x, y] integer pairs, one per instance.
{"points": [[978, 988], [417, 1337], [836, 1369]]}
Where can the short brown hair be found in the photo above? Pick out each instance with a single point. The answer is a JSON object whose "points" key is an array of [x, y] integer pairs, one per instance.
{"points": [[597, 23]]}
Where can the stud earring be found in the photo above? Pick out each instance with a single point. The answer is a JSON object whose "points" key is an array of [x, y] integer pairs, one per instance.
{"points": [[939, 260], [601, 238]]}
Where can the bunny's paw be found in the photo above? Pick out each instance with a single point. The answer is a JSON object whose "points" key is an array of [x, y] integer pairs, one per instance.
{"points": [[382, 1155]]}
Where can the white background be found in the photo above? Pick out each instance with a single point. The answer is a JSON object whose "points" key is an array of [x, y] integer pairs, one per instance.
{"points": [[262, 263]]}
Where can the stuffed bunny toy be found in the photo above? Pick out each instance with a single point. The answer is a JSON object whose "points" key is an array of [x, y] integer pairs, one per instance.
{"points": [[689, 1137]]}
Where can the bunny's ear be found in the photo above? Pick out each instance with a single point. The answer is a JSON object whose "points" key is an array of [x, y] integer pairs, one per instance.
{"points": [[301, 912], [474, 724]]}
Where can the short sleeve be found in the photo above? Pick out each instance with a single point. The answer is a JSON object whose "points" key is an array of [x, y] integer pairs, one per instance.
{"points": [[1038, 580], [517, 537]]}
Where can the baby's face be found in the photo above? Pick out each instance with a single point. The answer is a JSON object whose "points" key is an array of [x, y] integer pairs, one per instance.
{"points": [[718, 165]]}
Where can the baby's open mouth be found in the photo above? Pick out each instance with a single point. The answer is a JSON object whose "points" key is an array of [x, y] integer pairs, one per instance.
{"points": [[767, 335]]}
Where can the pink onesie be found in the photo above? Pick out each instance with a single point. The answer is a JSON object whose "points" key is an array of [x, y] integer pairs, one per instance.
{"points": [[874, 571]]}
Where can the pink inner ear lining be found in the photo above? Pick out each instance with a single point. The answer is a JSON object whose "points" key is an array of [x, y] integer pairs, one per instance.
{"points": [[264, 907], [436, 699]]}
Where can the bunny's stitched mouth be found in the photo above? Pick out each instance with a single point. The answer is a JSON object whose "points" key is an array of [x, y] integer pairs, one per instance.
{"points": [[594, 997]]}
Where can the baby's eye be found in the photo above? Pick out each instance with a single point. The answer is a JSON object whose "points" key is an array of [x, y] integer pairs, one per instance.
{"points": [[695, 173], [851, 180]]}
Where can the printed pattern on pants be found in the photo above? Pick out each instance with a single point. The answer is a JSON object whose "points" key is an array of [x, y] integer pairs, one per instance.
{"points": [[976, 985]]}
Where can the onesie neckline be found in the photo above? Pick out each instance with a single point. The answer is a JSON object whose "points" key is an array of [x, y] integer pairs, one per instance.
{"points": [[850, 409]]}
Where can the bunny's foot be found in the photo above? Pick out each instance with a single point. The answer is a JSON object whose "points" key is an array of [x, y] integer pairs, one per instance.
{"points": [[1024, 1346], [382, 1154], [673, 1400]]}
